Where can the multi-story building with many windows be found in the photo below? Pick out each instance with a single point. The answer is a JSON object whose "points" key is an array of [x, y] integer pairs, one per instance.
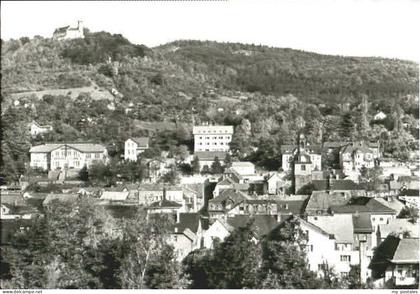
{"points": [[212, 138], [64, 155]]}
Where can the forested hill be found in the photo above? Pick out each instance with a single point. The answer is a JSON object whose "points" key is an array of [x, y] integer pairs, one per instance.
{"points": [[105, 89], [306, 75]]}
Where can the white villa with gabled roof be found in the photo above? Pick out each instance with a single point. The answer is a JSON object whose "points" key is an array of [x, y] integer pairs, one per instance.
{"points": [[135, 146], [67, 155]]}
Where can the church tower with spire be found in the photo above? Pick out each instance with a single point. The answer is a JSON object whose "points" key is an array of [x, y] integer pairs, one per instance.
{"points": [[302, 165]]}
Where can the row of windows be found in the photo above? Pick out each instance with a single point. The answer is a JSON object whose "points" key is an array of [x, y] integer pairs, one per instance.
{"points": [[214, 143], [75, 154], [215, 131], [345, 258], [76, 163], [215, 137]]}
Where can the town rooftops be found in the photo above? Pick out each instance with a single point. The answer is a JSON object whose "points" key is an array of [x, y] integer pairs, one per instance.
{"points": [[141, 141], [210, 155], [363, 204], [115, 195], [399, 226], [213, 130], [82, 147]]}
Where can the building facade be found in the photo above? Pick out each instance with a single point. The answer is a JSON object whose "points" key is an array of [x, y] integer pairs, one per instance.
{"points": [[135, 146], [356, 155], [212, 138], [67, 155]]}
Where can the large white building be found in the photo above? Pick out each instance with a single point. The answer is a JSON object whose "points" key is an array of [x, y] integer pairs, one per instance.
{"points": [[64, 155], [135, 146], [212, 138]]}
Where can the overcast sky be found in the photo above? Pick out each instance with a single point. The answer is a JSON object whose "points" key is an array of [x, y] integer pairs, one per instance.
{"points": [[341, 27]]}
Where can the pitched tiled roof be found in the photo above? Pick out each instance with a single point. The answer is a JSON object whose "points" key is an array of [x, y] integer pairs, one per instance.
{"points": [[407, 251], [114, 195], [235, 196], [294, 207], [187, 221], [64, 198], [82, 147], [363, 204], [362, 223], [392, 203], [141, 141], [320, 200], [340, 225], [210, 155], [395, 250], [399, 225], [61, 30]]}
